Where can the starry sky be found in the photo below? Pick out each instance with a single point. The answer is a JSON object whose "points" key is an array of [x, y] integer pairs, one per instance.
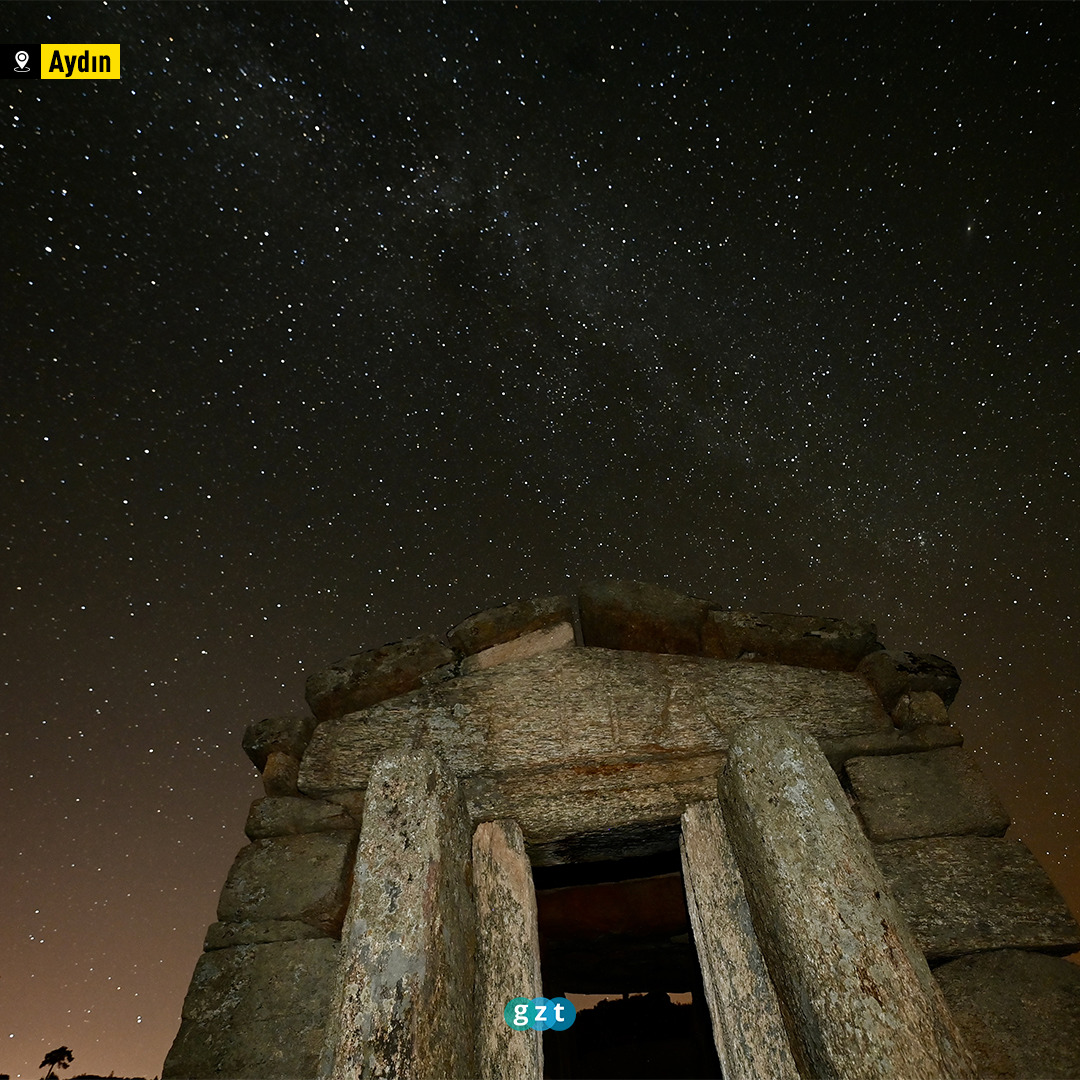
{"points": [[332, 323]]}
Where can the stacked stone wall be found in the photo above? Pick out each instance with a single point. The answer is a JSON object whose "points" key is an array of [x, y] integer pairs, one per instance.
{"points": [[594, 724]]}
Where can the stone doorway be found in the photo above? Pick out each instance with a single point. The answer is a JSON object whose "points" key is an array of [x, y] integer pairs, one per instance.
{"points": [[620, 929]]}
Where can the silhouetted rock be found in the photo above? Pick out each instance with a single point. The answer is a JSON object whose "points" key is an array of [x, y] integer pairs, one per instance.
{"points": [[275, 745], [941, 793], [893, 674], [361, 680], [1019, 1013]]}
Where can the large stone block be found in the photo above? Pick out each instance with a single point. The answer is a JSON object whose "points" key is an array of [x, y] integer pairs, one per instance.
{"points": [[559, 636], [893, 674], [639, 617], [377, 675], [223, 935], [291, 877], [255, 1011], [1019, 1013], [919, 708], [940, 793], [508, 951], [404, 1004], [612, 737], [748, 1026], [860, 998], [966, 894], [803, 640], [502, 624], [277, 734], [292, 816], [890, 741]]}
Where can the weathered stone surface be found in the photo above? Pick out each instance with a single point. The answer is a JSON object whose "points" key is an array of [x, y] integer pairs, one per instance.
{"points": [[303, 878], [860, 998], [748, 1027], [277, 734], [502, 624], [508, 951], [290, 816], [966, 894], [223, 935], [361, 680], [584, 733], [804, 640], [404, 1002], [940, 793], [918, 708], [280, 774], [559, 636], [892, 741], [1019, 1013], [255, 1011], [639, 617], [892, 674]]}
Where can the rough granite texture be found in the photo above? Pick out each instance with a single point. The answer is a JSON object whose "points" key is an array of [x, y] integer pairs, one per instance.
{"points": [[559, 636], [748, 1027], [302, 878], [277, 734], [361, 680], [893, 674], [290, 816], [222, 935], [859, 996], [966, 894], [919, 707], [255, 1012], [498, 625], [1019, 1013], [508, 951], [893, 741], [640, 617], [940, 793], [404, 998], [583, 739], [803, 640]]}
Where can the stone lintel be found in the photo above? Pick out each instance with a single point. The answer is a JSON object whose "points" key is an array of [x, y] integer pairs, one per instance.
{"points": [[966, 894], [585, 707], [893, 741], [508, 951], [939, 793], [405, 998], [748, 1027], [858, 994], [289, 816]]}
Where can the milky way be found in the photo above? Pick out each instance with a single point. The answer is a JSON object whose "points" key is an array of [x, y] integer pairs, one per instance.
{"points": [[328, 324]]}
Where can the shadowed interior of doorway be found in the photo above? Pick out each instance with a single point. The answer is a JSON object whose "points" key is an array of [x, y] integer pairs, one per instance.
{"points": [[619, 931]]}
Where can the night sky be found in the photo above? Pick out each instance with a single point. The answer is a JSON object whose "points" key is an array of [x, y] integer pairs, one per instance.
{"points": [[329, 324]]}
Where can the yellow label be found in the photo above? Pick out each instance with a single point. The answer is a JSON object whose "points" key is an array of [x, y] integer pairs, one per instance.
{"points": [[80, 61]]}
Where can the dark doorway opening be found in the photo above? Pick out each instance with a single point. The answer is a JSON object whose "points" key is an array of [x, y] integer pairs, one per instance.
{"points": [[619, 930]]}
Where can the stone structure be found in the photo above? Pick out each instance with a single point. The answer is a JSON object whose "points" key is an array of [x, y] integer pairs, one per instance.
{"points": [[631, 790]]}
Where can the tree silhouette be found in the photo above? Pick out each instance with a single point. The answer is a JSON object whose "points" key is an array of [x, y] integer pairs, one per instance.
{"points": [[61, 1056]]}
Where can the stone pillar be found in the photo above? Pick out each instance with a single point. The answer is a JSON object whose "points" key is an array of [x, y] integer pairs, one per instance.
{"points": [[508, 951], [856, 990], [748, 1028], [405, 1004]]}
